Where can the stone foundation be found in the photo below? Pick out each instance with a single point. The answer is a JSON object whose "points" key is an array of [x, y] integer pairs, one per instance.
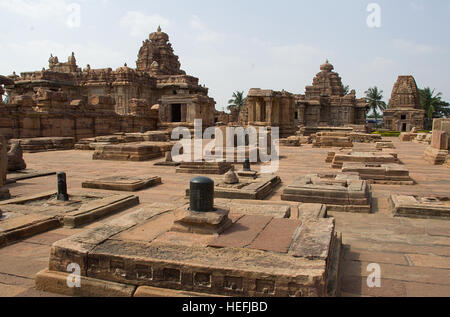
{"points": [[257, 189], [28, 216], [206, 168], [407, 137], [420, 207], [435, 156], [393, 174], [123, 183], [342, 192], [243, 261], [45, 144], [361, 157], [132, 152], [332, 139]]}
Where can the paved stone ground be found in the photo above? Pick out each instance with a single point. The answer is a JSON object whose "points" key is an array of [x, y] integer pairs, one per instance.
{"points": [[414, 254]]}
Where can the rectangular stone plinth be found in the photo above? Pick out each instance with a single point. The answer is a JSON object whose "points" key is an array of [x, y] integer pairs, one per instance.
{"points": [[340, 192], [123, 183], [28, 216], [207, 168], [435, 156], [394, 174], [238, 262], [385, 145], [258, 188], [35, 145], [328, 139], [421, 207], [129, 152], [363, 157], [407, 137]]}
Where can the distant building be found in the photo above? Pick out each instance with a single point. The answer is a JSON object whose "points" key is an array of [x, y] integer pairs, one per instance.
{"points": [[405, 111]]}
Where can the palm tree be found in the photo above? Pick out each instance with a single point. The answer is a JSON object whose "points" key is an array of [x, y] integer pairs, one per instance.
{"points": [[374, 98], [237, 102], [346, 89], [433, 105]]}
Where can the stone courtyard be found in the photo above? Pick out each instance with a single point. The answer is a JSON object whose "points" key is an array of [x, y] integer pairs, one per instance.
{"points": [[413, 253]]}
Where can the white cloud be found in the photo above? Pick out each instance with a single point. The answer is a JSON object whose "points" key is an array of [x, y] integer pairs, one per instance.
{"points": [[141, 25], [415, 48], [204, 34], [36, 9]]}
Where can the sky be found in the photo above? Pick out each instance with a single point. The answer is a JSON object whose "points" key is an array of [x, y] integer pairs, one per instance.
{"points": [[235, 45]]}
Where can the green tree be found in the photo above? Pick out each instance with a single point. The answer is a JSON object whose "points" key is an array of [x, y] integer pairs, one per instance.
{"points": [[346, 89], [237, 102], [374, 98], [433, 105]]}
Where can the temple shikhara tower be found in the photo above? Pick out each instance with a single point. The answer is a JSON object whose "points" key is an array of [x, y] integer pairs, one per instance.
{"points": [[405, 111], [324, 103], [156, 85]]}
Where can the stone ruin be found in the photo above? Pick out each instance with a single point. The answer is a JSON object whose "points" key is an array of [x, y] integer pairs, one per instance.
{"points": [[437, 153], [332, 139], [270, 108], [324, 103], [246, 187], [345, 192], [205, 248], [338, 159], [65, 100], [405, 111], [374, 173], [15, 158], [415, 206]]}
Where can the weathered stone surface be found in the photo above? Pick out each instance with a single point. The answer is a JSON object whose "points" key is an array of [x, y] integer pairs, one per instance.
{"points": [[405, 112], [123, 183], [362, 157], [129, 152], [332, 139], [213, 222], [380, 173], [435, 156], [28, 216], [340, 192], [420, 207], [183, 262], [258, 188], [15, 158], [204, 168], [45, 144]]}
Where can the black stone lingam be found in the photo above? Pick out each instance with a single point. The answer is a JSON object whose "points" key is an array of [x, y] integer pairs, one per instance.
{"points": [[202, 194], [62, 187], [247, 167]]}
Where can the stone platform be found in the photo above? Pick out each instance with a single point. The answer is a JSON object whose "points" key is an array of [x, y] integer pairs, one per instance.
{"points": [[207, 168], [257, 189], [340, 192], [35, 145], [123, 183], [435, 156], [332, 139], [394, 174], [420, 207], [137, 152], [385, 145], [139, 254], [28, 216], [16, 176], [118, 138], [338, 159]]}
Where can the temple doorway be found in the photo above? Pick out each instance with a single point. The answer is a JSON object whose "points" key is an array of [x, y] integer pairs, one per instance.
{"points": [[176, 113], [404, 126]]}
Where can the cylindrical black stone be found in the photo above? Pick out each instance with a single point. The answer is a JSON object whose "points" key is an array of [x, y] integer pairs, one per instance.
{"points": [[62, 187], [202, 194], [247, 167]]}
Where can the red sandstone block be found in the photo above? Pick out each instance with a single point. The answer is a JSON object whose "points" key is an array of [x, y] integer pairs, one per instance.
{"points": [[440, 140]]}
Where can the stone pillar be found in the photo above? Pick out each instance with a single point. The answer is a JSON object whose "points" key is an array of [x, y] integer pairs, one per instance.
{"points": [[258, 106], [276, 111], [269, 110]]}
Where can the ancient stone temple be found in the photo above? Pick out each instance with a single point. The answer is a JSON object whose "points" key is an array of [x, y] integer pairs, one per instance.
{"points": [[405, 111], [157, 79], [270, 108], [324, 103]]}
